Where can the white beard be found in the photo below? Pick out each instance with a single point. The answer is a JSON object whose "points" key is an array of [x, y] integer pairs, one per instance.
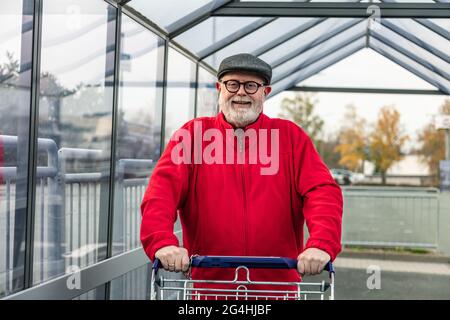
{"points": [[240, 117]]}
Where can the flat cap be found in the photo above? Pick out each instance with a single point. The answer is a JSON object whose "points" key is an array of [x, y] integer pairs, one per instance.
{"points": [[245, 62]]}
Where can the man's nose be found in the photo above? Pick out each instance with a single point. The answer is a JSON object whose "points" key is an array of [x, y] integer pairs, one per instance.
{"points": [[241, 91]]}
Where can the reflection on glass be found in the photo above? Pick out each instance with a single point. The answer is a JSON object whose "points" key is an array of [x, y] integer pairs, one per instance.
{"points": [[138, 128], [16, 21], [165, 13], [215, 29], [134, 285], [260, 40], [206, 94], [317, 66], [75, 117], [318, 51], [180, 94]]}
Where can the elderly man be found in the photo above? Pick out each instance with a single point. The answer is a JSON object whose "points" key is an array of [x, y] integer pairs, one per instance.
{"points": [[230, 207]]}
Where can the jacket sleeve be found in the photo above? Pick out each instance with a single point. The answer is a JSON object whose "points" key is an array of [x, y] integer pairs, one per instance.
{"points": [[165, 193], [321, 197]]}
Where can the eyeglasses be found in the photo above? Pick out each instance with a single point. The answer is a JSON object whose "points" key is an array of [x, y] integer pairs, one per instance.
{"points": [[250, 87]]}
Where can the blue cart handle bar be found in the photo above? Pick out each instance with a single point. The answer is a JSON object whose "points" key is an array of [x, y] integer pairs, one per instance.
{"points": [[249, 262]]}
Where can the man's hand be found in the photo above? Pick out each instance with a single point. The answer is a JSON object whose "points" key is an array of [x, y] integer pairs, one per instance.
{"points": [[312, 261], [173, 258]]}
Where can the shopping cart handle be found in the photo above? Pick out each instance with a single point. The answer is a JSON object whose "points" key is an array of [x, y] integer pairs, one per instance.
{"points": [[249, 262], [329, 267], [156, 265]]}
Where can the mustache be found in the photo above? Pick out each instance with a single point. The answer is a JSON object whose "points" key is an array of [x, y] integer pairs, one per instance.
{"points": [[242, 99]]}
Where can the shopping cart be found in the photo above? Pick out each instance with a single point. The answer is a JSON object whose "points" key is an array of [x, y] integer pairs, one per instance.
{"points": [[165, 288]]}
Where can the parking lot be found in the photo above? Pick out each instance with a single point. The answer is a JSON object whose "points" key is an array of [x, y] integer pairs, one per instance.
{"points": [[404, 280]]}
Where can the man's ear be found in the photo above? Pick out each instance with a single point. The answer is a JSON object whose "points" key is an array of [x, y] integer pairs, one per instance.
{"points": [[218, 86], [267, 90]]}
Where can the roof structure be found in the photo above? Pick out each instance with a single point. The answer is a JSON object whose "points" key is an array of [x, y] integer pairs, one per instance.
{"points": [[301, 38]]}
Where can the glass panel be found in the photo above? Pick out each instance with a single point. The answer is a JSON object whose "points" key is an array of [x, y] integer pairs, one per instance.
{"points": [[138, 128], [355, 72], [425, 35], [180, 92], [306, 38], [417, 53], [206, 94], [316, 67], [75, 117], [259, 38], [166, 12], [212, 31], [411, 65], [443, 23], [134, 285], [16, 31], [319, 51], [95, 294]]}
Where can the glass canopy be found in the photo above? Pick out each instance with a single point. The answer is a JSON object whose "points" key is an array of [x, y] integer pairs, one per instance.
{"points": [[299, 46]]}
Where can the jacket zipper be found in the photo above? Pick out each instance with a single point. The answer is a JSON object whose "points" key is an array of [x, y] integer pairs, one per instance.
{"points": [[241, 149]]}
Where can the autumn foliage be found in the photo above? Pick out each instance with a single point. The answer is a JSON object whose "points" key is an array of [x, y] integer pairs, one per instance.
{"points": [[432, 142]]}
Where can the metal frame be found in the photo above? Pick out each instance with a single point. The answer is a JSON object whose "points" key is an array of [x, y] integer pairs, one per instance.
{"points": [[319, 40], [363, 90], [322, 55], [33, 143], [115, 107], [409, 54], [90, 277], [195, 18], [332, 9], [408, 67], [197, 67], [164, 99], [151, 26], [409, 36], [434, 27], [427, 23], [322, 67], [234, 37], [288, 36]]}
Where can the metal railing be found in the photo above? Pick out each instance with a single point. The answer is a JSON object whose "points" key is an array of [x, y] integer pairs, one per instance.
{"points": [[45, 182], [391, 217]]}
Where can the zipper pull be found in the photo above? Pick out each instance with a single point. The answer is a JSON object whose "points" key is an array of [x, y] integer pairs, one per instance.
{"points": [[240, 135]]}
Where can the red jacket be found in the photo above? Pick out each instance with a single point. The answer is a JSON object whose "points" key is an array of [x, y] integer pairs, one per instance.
{"points": [[231, 209]]}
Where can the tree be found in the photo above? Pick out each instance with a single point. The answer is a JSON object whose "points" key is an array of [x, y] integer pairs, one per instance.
{"points": [[433, 143], [327, 150], [386, 141], [9, 71], [300, 109], [352, 140]]}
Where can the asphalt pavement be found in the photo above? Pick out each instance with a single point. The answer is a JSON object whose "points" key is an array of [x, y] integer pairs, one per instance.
{"points": [[375, 279]]}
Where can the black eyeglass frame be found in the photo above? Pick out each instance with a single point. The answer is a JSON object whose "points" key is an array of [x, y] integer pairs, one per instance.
{"points": [[258, 85]]}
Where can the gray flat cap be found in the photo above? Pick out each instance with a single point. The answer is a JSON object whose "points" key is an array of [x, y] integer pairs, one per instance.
{"points": [[245, 62]]}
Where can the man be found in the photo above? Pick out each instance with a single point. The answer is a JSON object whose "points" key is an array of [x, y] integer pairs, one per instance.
{"points": [[232, 207]]}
